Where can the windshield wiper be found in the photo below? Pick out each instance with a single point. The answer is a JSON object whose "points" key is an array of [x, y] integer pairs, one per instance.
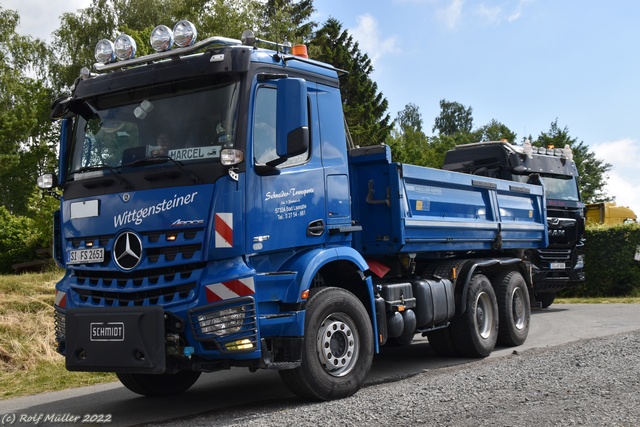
{"points": [[114, 171], [164, 159]]}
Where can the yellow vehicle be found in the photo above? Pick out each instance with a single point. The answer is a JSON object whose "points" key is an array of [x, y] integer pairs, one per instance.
{"points": [[608, 213]]}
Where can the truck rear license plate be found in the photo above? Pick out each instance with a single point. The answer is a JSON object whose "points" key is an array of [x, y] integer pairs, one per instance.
{"points": [[84, 256], [557, 266]]}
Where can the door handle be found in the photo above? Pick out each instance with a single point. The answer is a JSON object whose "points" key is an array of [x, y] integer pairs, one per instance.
{"points": [[315, 228]]}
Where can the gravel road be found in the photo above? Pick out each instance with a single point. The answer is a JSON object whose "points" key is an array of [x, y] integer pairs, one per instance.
{"points": [[593, 382]]}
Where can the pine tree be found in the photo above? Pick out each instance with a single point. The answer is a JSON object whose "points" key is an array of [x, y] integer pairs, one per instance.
{"points": [[287, 20], [364, 106]]}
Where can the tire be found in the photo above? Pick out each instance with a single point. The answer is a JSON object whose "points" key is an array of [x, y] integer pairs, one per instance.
{"points": [[337, 351], [159, 384], [514, 309], [546, 299], [441, 342], [475, 333]]}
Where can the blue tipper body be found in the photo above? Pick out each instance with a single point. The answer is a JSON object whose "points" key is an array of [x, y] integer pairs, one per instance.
{"points": [[412, 209]]}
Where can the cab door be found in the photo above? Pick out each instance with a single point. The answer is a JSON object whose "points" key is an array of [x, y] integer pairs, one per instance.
{"points": [[285, 196]]}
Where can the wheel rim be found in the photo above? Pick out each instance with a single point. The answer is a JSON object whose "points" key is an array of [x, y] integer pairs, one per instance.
{"points": [[484, 315], [518, 308], [337, 344]]}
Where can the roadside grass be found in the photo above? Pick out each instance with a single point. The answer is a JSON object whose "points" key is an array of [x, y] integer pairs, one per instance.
{"points": [[29, 363]]}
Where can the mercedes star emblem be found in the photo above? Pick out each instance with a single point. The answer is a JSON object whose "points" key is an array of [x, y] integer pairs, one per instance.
{"points": [[127, 250]]}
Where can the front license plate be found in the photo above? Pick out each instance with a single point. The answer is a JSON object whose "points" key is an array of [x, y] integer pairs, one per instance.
{"points": [[558, 266], [84, 256]]}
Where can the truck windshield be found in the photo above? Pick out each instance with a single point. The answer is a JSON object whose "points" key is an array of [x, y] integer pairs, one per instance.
{"points": [[181, 121], [559, 187]]}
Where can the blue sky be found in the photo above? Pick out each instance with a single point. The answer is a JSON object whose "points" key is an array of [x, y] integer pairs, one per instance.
{"points": [[521, 62]]}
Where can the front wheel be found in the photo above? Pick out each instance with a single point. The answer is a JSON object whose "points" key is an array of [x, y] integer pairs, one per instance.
{"points": [[546, 299], [337, 351], [158, 384], [475, 332], [514, 308]]}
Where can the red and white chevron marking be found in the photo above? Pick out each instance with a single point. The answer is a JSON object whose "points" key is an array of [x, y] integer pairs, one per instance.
{"points": [[61, 299], [224, 230], [230, 289]]}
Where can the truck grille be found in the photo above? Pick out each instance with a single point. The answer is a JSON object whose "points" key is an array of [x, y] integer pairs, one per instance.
{"points": [[166, 274], [554, 255], [161, 296], [59, 325]]}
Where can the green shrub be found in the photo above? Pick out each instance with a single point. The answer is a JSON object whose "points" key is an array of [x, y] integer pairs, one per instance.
{"points": [[18, 242], [610, 267]]}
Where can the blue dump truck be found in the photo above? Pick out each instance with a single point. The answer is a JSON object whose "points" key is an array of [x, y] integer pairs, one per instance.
{"points": [[213, 214]]}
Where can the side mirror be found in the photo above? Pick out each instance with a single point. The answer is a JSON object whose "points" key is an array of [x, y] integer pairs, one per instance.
{"points": [[520, 170], [47, 181], [60, 108], [292, 133]]}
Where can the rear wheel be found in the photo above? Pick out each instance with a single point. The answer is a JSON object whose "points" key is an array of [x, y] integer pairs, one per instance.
{"points": [[441, 342], [338, 348], [159, 384], [475, 332], [514, 309]]}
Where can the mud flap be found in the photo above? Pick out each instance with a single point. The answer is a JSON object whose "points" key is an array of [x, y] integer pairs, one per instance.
{"points": [[119, 339]]}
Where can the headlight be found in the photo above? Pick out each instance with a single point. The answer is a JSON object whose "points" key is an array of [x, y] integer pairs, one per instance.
{"points": [[185, 33], [104, 52], [223, 322], [125, 47], [161, 38]]}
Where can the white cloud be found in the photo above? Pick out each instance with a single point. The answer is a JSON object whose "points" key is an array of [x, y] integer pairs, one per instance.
{"points": [[497, 14], [39, 18], [489, 15], [450, 15], [515, 15], [623, 182], [367, 33]]}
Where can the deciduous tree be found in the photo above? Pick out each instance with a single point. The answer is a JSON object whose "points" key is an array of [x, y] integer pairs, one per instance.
{"points": [[592, 171], [454, 118]]}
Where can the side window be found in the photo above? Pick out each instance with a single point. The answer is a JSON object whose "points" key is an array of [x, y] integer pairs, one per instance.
{"points": [[264, 130], [264, 126]]}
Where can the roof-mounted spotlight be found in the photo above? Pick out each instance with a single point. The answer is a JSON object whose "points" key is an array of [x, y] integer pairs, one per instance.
{"points": [[125, 47], [161, 38], [104, 52], [184, 33]]}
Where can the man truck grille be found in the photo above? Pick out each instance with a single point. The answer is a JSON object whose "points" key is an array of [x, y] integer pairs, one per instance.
{"points": [[555, 255]]}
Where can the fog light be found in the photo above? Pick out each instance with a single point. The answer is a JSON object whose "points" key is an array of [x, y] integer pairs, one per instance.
{"points": [[244, 344]]}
